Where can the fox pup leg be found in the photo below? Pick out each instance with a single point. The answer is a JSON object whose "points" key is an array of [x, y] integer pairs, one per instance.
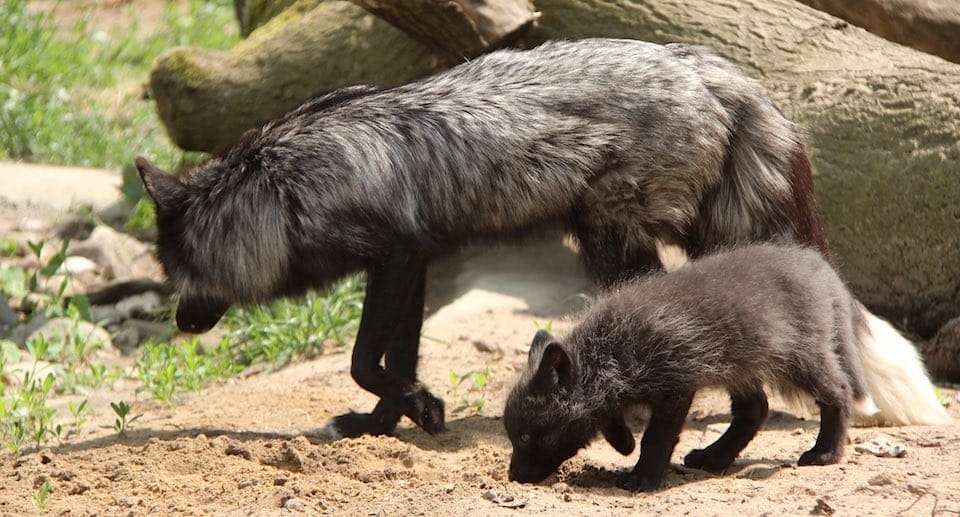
{"points": [[749, 411], [656, 446], [828, 449], [833, 394], [390, 330]]}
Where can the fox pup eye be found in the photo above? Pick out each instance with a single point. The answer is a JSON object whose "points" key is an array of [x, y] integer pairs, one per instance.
{"points": [[525, 438]]}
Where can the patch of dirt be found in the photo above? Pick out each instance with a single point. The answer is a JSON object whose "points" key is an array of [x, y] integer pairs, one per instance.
{"points": [[251, 446]]}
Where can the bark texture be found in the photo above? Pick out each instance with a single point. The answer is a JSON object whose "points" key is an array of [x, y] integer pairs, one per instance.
{"points": [[942, 353], [932, 26], [881, 120], [458, 28]]}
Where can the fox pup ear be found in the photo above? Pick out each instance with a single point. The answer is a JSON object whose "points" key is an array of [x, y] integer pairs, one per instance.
{"points": [[554, 371], [617, 433], [540, 340], [162, 187]]}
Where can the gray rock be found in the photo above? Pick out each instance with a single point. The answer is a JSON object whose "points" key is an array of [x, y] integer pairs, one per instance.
{"points": [[138, 305], [58, 330], [120, 255], [7, 317], [133, 332]]}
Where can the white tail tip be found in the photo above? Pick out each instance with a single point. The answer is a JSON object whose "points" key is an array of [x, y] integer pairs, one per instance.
{"points": [[897, 382]]}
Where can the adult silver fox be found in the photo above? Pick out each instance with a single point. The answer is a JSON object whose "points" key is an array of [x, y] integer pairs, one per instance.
{"points": [[645, 153]]}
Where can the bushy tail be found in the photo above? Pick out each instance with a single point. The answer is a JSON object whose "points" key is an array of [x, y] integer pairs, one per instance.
{"points": [[895, 377]]}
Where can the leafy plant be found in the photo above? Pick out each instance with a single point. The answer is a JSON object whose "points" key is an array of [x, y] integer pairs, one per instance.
{"points": [[169, 368], [283, 330], [475, 398], [41, 496], [121, 425]]}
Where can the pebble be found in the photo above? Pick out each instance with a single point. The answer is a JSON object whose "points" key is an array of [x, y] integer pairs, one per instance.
{"points": [[295, 505], [882, 446]]}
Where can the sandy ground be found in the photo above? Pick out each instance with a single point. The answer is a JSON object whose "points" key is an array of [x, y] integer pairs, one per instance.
{"points": [[251, 446]]}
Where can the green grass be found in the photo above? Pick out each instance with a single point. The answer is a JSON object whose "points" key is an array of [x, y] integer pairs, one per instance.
{"points": [[75, 96]]}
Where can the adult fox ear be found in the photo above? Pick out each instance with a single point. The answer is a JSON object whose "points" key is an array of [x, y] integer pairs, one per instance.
{"points": [[162, 187], [554, 371], [617, 433]]}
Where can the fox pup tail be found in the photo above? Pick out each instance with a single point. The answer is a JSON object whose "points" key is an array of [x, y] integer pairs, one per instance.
{"points": [[900, 392]]}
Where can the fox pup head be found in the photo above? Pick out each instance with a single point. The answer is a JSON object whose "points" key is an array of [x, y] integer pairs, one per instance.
{"points": [[541, 420], [217, 242]]}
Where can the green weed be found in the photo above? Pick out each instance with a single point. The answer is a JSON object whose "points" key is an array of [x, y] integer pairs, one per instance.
{"points": [[475, 397], [41, 496], [121, 425], [74, 95], [280, 331]]}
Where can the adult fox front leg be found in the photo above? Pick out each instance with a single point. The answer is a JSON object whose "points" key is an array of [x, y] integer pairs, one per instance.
{"points": [[390, 330]]}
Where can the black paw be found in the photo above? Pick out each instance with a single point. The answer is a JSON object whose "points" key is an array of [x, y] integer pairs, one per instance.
{"points": [[704, 460], [425, 410], [354, 424], [637, 482], [815, 457]]}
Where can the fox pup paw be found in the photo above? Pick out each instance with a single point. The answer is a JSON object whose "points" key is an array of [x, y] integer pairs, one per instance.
{"points": [[815, 457]]}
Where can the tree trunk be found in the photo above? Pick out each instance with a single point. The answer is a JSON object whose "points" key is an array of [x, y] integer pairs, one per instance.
{"points": [[208, 98], [880, 119], [932, 26], [458, 28], [942, 353]]}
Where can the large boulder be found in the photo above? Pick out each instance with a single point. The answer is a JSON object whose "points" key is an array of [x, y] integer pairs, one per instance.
{"points": [[880, 119]]}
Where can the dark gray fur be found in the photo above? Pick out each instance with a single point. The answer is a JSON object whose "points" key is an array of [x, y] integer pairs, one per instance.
{"points": [[621, 142], [763, 315]]}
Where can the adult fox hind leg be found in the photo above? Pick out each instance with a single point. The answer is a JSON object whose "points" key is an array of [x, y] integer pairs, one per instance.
{"points": [[390, 330], [749, 410]]}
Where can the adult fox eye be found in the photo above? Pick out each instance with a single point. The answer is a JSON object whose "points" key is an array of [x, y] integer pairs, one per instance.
{"points": [[525, 438]]}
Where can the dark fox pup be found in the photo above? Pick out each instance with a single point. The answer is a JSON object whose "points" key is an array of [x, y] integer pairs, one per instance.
{"points": [[680, 154], [761, 315]]}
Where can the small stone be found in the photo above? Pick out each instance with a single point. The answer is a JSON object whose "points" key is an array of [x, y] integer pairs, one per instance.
{"points": [[280, 481], [567, 497], [294, 505], [248, 483], [60, 330], [880, 480], [483, 346], [449, 488], [882, 446], [131, 501], [139, 305], [75, 265], [718, 428]]}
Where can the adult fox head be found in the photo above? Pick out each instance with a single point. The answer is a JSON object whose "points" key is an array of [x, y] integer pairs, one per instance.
{"points": [[541, 416], [220, 239]]}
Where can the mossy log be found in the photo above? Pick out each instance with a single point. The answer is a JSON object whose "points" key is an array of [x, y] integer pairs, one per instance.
{"points": [[932, 26], [458, 28], [880, 119], [207, 98]]}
